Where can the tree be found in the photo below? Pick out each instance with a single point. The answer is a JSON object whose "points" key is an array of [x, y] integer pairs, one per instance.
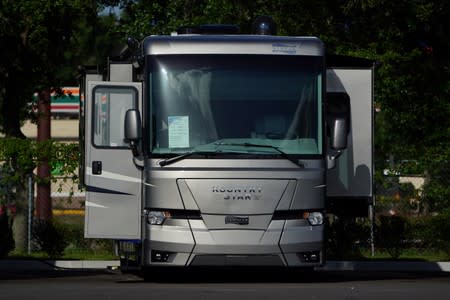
{"points": [[34, 37]]}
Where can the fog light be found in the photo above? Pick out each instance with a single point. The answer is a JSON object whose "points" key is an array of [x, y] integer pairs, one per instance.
{"points": [[156, 217], [160, 256], [314, 218], [310, 256]]}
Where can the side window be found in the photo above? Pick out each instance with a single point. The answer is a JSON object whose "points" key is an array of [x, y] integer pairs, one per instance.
{"points": [[110, 105]]}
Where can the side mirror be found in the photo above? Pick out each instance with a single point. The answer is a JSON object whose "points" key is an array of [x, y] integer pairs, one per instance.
{"points": [[133, 129], [338, 119], [338, 134]]}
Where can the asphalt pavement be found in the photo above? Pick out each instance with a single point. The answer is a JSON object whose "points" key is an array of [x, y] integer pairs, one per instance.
{"points": [[223, 284]]}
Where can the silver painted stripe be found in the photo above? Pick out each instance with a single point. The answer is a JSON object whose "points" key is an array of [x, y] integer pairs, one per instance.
{"points": [[322, 186], [92, 204], [116, 176]]}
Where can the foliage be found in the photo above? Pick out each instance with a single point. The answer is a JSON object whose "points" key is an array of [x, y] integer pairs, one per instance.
{"points": [[36, 38], [432, 231], [345, 236], [49, 236], [140, 18], [394, 235], [64, 238], [58, 239], [19, 157], [94, 39], [391, 234], [436, 192], [412, 85]]}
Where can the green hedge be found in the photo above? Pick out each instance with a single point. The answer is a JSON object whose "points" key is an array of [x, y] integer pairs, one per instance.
{"points": [[50, 237], [391, 233], [55, 238], [347, 238], [432, 231]]}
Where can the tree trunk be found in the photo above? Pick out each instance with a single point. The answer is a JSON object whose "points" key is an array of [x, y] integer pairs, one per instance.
{"points": [[43, 200]]}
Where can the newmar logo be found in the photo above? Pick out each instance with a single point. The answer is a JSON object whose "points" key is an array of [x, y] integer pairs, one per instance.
{"points": [[238, 193]]}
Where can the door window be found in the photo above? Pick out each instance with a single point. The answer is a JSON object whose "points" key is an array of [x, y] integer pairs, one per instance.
{"points": [[110, 106]]}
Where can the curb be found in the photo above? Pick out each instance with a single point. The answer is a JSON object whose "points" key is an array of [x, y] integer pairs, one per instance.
{"points": [[49, 265], [386, 266], [85, 264]]}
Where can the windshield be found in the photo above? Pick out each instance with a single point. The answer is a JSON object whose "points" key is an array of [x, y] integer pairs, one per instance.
{"points": [[223, 103]]}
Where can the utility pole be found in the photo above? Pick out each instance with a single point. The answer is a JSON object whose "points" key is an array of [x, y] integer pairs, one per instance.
{"points": [[43, 200]]}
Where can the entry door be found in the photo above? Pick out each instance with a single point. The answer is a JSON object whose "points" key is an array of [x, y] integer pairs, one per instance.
{"points": [[113, 182]]}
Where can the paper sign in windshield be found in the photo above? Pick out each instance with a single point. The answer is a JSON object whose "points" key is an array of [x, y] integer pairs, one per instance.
{"points": [[178, 131]]}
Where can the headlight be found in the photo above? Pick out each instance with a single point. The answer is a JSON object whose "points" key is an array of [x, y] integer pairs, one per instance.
{"points": [[314, 218], [156, 217]]}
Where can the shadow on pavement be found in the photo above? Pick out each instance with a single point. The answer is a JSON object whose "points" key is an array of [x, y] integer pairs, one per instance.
{"points": [[269, 275]]}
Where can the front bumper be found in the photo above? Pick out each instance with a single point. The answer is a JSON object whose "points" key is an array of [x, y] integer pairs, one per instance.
{"points": [[292, 243]]}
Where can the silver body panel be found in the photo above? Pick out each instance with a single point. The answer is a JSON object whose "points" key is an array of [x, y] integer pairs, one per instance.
{"points": [[121, 72], [353, 174], [241, 44]]}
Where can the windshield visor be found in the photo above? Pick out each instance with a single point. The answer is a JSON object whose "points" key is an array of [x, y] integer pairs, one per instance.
{"points": [[214, 103]]}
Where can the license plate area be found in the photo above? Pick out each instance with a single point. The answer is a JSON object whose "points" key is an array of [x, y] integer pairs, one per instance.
{"points": [[238, 220]]}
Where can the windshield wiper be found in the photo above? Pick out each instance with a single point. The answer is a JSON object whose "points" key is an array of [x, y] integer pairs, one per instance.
{"points": [[171, 160], [281, 152]]}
